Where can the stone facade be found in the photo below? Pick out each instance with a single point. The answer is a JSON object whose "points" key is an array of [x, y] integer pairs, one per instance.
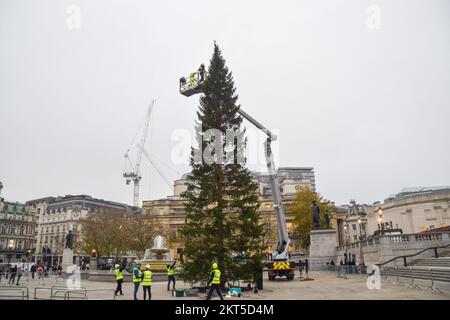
{"points": [[58, 215], [17, 232], [412, 210]]}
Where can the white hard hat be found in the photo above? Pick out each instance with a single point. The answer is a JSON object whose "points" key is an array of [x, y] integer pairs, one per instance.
{"points": [[116, 266], [147, 266]]}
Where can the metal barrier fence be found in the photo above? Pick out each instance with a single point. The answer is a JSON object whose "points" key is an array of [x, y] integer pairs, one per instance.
{"points": [[345, 271], [24, 294], [86, 291], [66, 293], [434, 279]]}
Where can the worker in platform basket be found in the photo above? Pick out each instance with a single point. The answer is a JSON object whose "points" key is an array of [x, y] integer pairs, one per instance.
{"points": [[171, 274], [118, 272], [214, 280], [192, 79], [147, 282]]}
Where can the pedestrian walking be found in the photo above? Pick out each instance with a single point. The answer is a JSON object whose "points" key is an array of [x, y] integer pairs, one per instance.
{"points": [[214, 280], [33, 270], [118, 272], [40, 272], [19, 275], [12, 276]]}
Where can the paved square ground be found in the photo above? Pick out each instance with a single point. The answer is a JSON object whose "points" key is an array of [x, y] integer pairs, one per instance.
{"points": [[324, 286]]}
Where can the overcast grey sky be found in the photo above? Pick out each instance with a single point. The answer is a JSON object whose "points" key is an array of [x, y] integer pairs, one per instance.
{"points": [[368, 108]]}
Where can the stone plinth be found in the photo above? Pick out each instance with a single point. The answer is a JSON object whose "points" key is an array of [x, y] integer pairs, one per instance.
{"points": [[322, 248], [93, 264], [67, 259]]}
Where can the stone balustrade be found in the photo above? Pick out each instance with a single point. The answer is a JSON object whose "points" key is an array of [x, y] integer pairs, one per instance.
{"points": [[385, 247]]}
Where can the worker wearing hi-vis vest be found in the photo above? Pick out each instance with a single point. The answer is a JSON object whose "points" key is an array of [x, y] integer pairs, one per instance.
{"points": [[171, 274], [214, 280], [118, 272], [192, 79], [137, 279], [147, 283]]}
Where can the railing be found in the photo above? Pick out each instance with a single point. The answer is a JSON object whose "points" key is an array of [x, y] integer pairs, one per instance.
{"points": [[413, 255], [395, 239], [66, 293], [436, 279], [24, 293]]}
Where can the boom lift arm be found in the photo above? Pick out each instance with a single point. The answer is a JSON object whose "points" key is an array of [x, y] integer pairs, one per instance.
{"points": [[282, 251]]}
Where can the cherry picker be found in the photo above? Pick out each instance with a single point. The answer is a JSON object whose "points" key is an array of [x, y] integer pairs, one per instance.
{"points": [[280, 266]]}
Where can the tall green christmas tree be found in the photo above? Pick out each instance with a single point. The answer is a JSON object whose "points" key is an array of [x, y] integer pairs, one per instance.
{"points": [[221, 201]]}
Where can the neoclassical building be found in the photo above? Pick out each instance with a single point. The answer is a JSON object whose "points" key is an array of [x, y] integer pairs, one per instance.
{"points": [[169, 212], [57, 215], [17, 232], [412, 210]]}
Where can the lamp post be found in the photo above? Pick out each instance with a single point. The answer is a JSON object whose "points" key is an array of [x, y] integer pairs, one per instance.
{"points": [[360, 230], [346, 241], [93, 262]]}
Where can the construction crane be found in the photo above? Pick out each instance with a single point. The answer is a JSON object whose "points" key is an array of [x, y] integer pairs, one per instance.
{"points": [[280, 266], [134, 174]]}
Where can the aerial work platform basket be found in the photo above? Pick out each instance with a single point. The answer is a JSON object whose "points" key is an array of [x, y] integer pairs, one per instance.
{"points": [[192, 84]]}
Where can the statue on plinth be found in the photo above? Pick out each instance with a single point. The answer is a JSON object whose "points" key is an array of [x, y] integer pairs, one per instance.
{"points": [[327, 219], [316, 215], [69, 240]]}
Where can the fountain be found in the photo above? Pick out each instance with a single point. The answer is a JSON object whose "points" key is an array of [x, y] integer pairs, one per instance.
{"points": [[158, 256]]}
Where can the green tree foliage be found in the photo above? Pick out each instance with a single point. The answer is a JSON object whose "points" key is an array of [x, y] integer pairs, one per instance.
{"points": [[107, 232], [222, 222], [301, 210], [142, 233]]}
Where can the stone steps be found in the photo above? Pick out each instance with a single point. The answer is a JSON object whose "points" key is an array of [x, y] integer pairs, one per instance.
{"points": [[431, 262]]}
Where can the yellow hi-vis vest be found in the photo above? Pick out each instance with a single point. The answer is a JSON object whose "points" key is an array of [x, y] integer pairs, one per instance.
{"points": [[118, 273], [139, 279], [216, 278], [170, 271], [192, 78], [147, 281]]}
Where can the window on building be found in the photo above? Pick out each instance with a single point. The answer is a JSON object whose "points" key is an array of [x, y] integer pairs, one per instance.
{"points": [[161, 211], [355, 238], [354, 226]]}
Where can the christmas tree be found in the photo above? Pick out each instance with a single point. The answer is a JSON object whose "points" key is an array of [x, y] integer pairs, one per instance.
{"points": [[221, 201]]}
